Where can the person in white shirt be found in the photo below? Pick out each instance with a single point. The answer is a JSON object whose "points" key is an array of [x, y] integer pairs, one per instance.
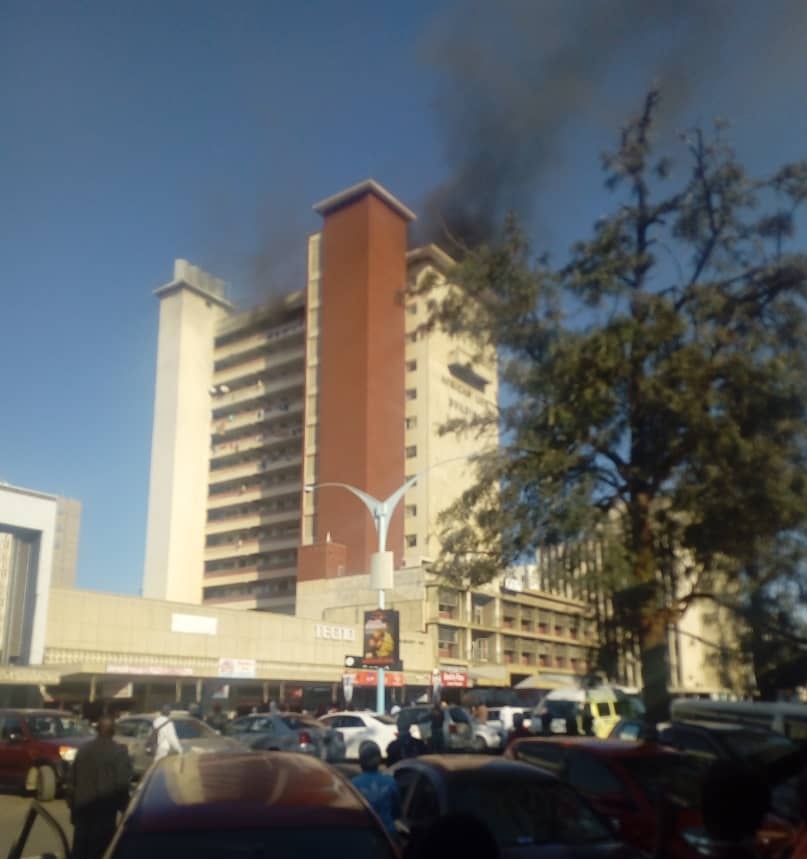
{"points": [[167, 740]]}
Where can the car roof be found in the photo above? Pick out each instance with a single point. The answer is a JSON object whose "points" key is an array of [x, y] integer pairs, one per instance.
{"points": [[719, 727], [606, 748], [367, 714], [174, 714], [230, 790], [452, 766]]}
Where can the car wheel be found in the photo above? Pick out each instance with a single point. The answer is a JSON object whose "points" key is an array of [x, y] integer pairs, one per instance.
{"points": [[479, 744], [45, 784]]}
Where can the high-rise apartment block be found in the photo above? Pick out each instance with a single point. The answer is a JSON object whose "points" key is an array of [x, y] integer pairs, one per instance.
{"points": [[333, 383]]}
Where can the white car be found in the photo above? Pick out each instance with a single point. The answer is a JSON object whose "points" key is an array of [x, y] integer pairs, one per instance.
{"points": [[357, 726]]}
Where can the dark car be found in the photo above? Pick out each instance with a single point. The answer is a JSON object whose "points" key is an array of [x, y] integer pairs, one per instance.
{"points": [[37, 748], [278, 805], [288, 732], [780, 759], [530, 813], [625, 782]]}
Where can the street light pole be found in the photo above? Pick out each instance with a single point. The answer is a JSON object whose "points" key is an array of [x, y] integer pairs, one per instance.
{"points": [[381, 563]]}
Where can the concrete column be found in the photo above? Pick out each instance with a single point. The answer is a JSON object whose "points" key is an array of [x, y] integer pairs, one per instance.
{"points": [[93, 679]]}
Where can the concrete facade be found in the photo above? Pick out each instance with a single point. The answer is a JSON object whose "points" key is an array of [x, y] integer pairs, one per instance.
{"points": [[66, 542], [27, 531], [191, 305]]}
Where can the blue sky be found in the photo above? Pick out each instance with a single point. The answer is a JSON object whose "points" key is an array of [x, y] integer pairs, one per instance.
{"points": [[134, 133]]}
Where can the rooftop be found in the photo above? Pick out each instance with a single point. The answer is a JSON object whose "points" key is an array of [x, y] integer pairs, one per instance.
{"points": [[368, 186]]}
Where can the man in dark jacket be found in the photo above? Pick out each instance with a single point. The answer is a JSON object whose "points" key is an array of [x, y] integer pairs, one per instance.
{"points": [[99, 790]]}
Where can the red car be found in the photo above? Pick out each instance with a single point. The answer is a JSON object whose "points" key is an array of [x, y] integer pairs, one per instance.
{"points": [[37, 748], [277, 804], [624, 781]]}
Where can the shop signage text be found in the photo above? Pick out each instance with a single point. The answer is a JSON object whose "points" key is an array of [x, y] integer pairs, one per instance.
{"points": [[334, 633], [370, 678]]}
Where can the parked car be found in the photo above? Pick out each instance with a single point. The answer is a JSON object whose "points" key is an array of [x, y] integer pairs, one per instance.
{"points": [[772, 753], [247, 804], [783, 717], [288, 732], [193, 734], [624, 780], [530, 813], [488, 737], [457, 726], [356, 727], [37, 748]]}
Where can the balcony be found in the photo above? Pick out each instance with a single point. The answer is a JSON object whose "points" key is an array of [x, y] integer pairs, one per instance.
{"points": [[252, 493], [259, 340], [254, 467], [256, 366], [221, 402], [257, 417], [252, 520], [241, 548]]}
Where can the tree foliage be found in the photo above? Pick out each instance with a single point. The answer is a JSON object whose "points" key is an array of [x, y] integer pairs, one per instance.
{"points": [[657, 378]]}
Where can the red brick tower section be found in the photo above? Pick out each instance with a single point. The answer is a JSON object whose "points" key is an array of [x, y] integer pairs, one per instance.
{"points": [[361, 366]]}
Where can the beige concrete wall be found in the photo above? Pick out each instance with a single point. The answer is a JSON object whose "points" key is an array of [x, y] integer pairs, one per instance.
{"points": [[441, 397], [65, 543], [180, 445], [98, 630]]}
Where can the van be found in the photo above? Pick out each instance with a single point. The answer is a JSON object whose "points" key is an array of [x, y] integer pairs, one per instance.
{"points": [[604, 704], [779, 716]]}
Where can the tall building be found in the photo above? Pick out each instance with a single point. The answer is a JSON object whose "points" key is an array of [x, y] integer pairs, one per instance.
{"points": [[32, 554], [333, 383]]}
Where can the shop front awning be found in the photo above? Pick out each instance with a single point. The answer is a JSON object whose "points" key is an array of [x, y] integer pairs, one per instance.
{"points": [[489, 675]]}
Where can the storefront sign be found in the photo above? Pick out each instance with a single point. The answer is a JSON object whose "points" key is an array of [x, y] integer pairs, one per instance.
{"points": [[453, 679], [244, 668], [370, 678], [194, 623], [334, 633], [381, 639], [150, 670]]}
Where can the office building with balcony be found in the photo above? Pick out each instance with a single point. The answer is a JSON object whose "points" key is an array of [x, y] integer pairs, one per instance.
{"points": [[331, 383]]}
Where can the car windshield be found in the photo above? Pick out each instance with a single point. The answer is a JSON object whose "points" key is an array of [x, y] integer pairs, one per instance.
{"points": [[296, 723], [559, 709], [57, 726], [523, 813], [758, 748], [384, 719], [410, 717], [274, 843], [191, 729], [676, 776]]}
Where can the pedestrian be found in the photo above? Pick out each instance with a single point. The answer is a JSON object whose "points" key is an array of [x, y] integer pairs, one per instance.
{"points": [[482, 713], [437, 741], [99, 789], [588, 720], [519, 729], [379, 789], [404, 746], [164, 738], [454, 834], [217, 720]]}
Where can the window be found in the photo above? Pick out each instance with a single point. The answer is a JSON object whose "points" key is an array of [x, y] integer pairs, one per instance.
{"points": [[411, 451], [411, 366], [411, 509], [592, 777], [411, 423], [412, 309], [603, 708], [543, 755], [411, 541], [412, 337], [411, 394]]}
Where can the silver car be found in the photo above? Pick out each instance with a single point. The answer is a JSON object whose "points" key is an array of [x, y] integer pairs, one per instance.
{"points": [[288, 732], [193, 734]]}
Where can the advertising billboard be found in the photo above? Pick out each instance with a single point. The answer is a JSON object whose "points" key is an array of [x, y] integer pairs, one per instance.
{"points": [[381, 640]]}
